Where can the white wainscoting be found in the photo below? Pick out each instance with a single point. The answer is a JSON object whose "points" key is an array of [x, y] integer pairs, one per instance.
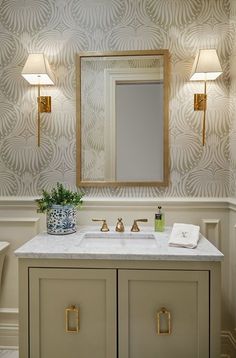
{"points": [[18, 224], [216, 217]]}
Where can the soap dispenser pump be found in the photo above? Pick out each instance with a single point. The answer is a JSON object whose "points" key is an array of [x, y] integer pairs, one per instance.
{"points": [[159, 220]]}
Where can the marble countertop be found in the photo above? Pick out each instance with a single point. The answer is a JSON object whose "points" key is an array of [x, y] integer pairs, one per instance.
{"points": [[144, 245]]}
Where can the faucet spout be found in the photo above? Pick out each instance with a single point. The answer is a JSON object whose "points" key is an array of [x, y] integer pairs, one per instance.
{"points": [[120, 226]]}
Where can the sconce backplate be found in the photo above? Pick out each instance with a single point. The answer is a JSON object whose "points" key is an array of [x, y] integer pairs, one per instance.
{"points": [[200, 101], [44, 104]]}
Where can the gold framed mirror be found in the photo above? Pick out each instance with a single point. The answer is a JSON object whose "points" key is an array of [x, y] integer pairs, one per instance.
{"points": [[122, 118]]}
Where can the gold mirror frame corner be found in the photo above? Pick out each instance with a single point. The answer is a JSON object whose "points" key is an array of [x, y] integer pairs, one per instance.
{"points": [[166, 177]]}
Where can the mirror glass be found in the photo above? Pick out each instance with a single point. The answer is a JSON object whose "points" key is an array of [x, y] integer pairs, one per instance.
{"points": [[122, 118]]}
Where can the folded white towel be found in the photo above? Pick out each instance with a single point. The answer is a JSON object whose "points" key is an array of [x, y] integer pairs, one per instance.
{"points": [[184, 235]]}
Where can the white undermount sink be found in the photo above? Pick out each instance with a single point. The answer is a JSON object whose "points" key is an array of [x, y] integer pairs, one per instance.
{"points": [[108, 239]]}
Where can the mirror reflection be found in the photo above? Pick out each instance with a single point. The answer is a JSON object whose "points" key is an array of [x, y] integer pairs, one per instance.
{"points": [[122, 118]]}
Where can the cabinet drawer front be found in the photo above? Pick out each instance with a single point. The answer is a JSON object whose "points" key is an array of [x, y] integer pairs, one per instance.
{"points": [[185, 296], [88, 330]]}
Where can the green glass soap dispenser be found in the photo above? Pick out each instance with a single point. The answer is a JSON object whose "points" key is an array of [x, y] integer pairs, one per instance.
{"points": [[159, 220]]}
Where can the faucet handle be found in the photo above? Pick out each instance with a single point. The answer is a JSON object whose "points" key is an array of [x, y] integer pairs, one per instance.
{"points": [[104, 227], [135, 227]]}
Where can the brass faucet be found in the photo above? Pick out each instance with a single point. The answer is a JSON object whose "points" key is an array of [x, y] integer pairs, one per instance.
{"points": [[135, 227], [120, 226], [104, 227]]}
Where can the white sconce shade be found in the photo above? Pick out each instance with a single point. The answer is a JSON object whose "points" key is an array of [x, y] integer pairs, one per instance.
{"points": [[206, 66], [37, 70]]}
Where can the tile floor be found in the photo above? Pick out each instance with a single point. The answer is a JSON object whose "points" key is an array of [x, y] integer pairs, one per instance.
{"points": [[9, 353]]}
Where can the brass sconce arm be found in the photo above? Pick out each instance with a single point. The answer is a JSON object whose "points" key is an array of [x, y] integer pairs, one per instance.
{"points": [[200, 104], [44, 106]]}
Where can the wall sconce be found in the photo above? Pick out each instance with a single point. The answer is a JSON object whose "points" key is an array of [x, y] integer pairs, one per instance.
{"points": [[206, 67], [37, 72]]}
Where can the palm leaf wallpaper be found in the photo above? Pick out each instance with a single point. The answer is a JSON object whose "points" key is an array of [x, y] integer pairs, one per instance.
{"points": [[61, 29]]}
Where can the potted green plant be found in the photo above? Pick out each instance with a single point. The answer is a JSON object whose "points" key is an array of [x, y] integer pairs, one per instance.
{"points": [[60, 206]]}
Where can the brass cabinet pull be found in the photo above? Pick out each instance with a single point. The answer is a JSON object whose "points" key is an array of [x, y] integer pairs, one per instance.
{"points": [[72, 313], [161, 315]]}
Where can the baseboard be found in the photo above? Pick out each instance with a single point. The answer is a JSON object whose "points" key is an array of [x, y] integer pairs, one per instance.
{"points": [[9, 335], [9, 328], [228, 344], [9, 348]]}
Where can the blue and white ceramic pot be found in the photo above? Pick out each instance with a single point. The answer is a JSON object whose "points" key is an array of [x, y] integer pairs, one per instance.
{"points": [[61, 220]]}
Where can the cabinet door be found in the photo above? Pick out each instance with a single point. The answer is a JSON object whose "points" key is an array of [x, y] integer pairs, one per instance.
{"points": [[184, 295], [93, 293]]}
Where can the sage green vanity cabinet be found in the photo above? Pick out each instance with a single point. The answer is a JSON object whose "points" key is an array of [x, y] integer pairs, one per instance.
{"points": [[126, 309], [72, 313], [163, 314]]}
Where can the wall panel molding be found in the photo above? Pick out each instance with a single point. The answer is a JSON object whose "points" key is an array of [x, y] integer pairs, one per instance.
{"points": [[8, 223], [212, 235]]}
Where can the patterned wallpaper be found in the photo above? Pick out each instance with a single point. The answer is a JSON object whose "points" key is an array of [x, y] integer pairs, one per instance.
{"points": [[232, 131], [61, 29]]}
